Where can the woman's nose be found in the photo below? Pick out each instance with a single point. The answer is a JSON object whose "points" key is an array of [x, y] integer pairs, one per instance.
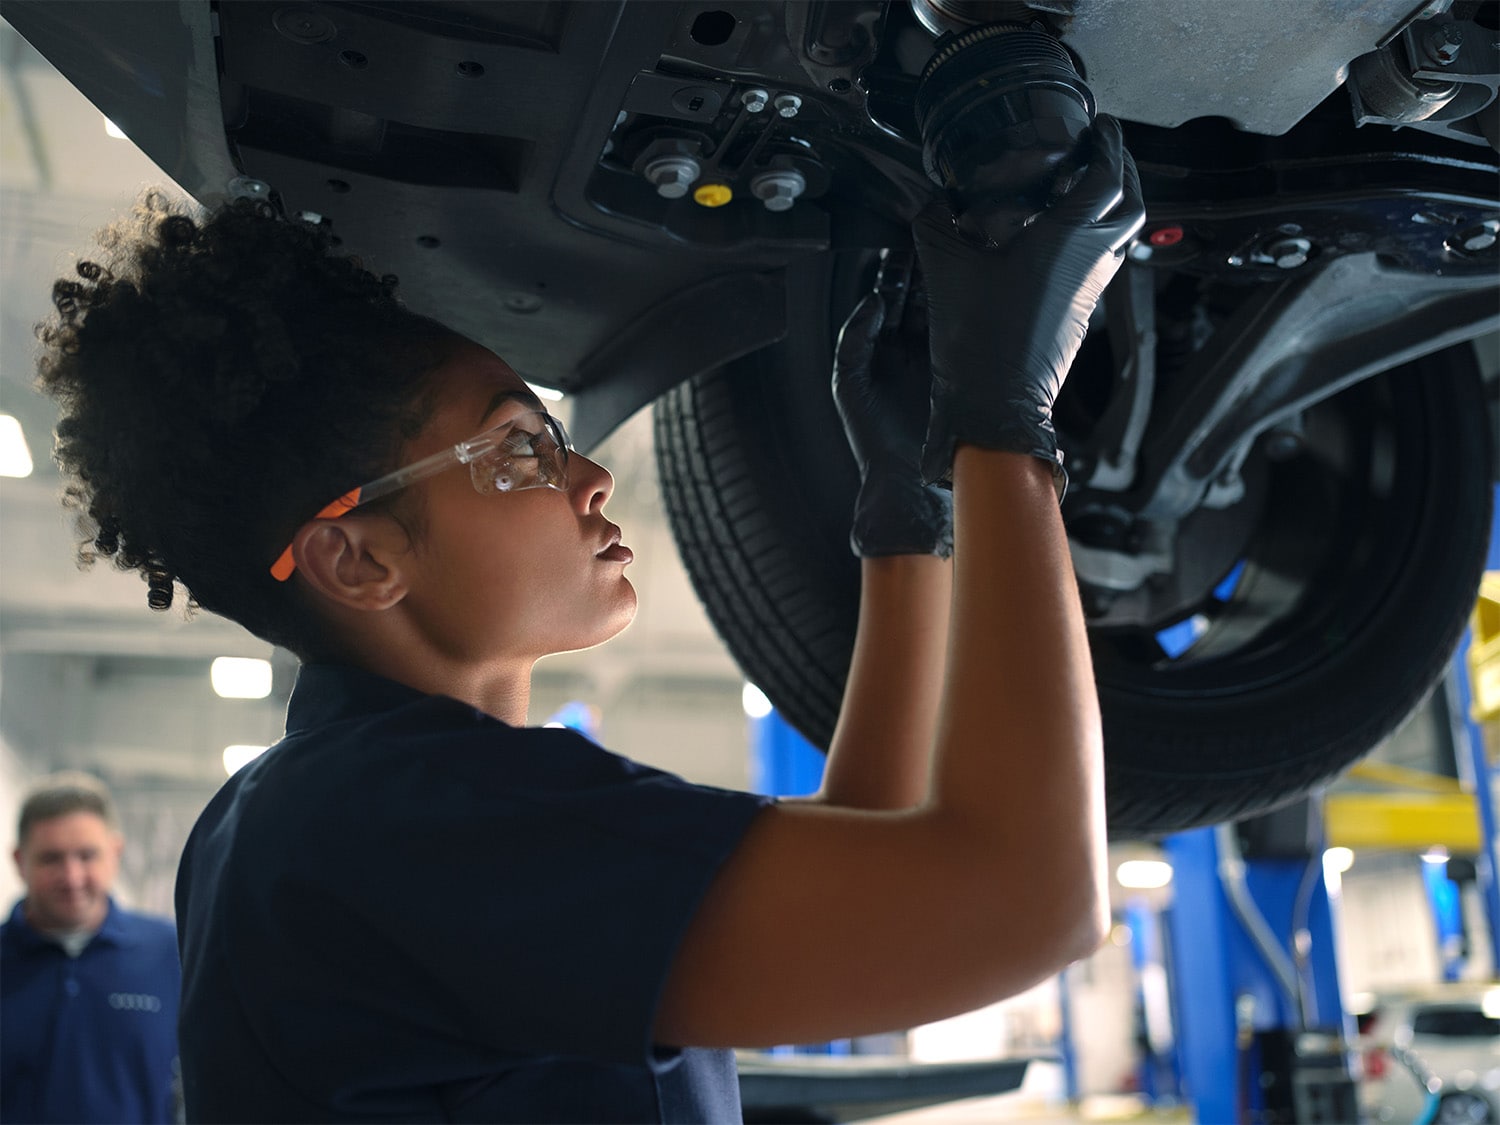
{"points": [[589, 482]]}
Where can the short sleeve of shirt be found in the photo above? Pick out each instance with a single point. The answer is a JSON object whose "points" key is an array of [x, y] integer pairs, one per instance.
{"points": [[471, 883]]}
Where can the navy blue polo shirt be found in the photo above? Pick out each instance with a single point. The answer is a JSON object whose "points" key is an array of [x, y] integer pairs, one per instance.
{"points": [[92, 1037], [407, 910]]}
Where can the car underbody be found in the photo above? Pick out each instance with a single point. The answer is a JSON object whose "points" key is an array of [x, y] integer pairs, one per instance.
{"points": [[678, 202]]}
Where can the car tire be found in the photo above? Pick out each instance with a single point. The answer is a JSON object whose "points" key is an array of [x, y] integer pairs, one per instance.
{"points": [[1359, 577]]}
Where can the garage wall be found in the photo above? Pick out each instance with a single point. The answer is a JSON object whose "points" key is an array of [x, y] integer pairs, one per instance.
{"points": [[13, 778], [1387, 935]]}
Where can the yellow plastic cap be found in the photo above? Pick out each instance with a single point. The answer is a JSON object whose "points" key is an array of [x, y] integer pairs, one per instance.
{"points": [[713, 195]]}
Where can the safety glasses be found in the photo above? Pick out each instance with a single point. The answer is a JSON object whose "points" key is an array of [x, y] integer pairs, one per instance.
{"points": [[526, 451]]}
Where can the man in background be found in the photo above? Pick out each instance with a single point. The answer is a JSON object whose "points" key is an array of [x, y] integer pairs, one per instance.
{"points": [[88, 991]]}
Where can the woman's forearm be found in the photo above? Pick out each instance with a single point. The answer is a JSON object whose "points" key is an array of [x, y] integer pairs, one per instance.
{"points": [[881, 751]]}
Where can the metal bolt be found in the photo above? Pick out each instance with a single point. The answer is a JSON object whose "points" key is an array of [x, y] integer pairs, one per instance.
{"points": [[1289, 253], [1443, 43], [787, 105], [1481, 236], [755, 100], [1234, 260], [247, 187], [672, 174], [778, 189]]}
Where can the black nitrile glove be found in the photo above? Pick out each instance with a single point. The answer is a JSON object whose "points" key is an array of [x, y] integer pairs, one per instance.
{"points": [[881, 387], [1007, 320]]}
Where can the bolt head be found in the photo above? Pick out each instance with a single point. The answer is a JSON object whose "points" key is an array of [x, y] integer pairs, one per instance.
{"points": [[1444, 43], [1482, 241], [1290, 253], [755, 100], [672, 175], [788, 105], [247, 187], [778, 190]]}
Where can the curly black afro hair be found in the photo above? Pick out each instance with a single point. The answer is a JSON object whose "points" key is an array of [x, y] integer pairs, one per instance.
{"points": [[220, 379]]}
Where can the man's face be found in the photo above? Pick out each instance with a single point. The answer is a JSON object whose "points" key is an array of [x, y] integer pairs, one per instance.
{"points": [[68, 864]]}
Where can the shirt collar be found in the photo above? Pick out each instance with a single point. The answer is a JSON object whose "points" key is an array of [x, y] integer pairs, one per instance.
{"points": [[114, 930], [326, 693]]}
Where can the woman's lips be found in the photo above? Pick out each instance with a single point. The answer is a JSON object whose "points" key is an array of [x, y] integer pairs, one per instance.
{"points": [[614, 550]]}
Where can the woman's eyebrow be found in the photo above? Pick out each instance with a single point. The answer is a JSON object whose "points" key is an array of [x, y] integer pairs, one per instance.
{"points": [[502, 397]]}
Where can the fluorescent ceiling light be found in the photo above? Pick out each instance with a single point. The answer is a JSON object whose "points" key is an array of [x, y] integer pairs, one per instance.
{"points": [[238, 756], [238, 677], [756, 705], [114, 130], [1435, 855], [1144, 874], [15, 457]]}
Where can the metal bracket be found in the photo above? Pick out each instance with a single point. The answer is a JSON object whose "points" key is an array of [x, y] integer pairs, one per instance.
{"points": [[693, 331]]}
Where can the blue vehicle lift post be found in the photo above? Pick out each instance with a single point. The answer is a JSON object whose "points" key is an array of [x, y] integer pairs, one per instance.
{"points": [[1469, 752], [1262, 1027]]}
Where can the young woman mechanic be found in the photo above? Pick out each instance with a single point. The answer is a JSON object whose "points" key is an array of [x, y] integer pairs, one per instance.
{"points": [[414, 907]]}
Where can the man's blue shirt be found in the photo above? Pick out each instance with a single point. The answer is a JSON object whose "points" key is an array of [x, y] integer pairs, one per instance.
{"points": [[408, 910], [92, 1037]]}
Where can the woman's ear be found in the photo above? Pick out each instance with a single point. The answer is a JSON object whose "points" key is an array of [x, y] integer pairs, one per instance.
{"points": [[354, 561]]}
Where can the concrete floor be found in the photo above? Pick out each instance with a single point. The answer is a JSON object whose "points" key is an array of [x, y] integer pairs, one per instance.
{"points": [[1021, 1106]]}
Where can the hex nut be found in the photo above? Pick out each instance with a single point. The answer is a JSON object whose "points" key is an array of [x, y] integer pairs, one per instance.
{"points": [[779, 188], [1444, 43], [788, 105], [1289, 253], [672, 174], [755, 100]]}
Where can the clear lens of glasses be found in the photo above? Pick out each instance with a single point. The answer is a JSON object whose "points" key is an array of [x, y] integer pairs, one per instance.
{"points": [[531, 452]]}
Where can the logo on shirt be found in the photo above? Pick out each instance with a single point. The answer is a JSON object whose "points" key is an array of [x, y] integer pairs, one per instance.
{"points": [[134, 1002]]}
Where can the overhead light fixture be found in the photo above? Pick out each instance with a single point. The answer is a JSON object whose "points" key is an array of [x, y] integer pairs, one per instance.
{"points": [[756, 705], [546, 394], [1435, 855], [240, 677], [113, 130], [15, 456], [1338, 859], [240, 755], [1143, 874]]}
